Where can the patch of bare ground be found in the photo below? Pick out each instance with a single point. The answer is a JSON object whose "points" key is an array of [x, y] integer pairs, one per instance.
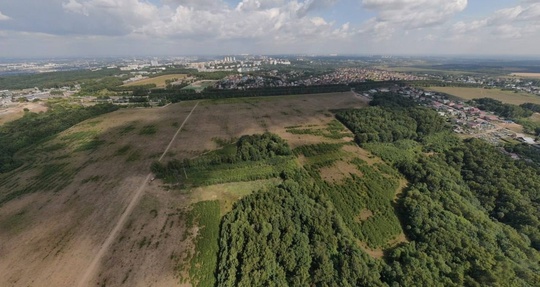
{"points": [[517, 128], [526, 75], [429, 154], [61, 231], [16, 111], [364, 215], [228, 193], [339, 171], [375, 253], [378, 253], [233, 118], [535, 117], [153, 248], [402, 185], [401, 238], [362, 154]]}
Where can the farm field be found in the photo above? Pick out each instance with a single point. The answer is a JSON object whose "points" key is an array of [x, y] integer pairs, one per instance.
{"points": [[508, 97], [59, 208], [158, 81], [526, 75], [418, 69]]}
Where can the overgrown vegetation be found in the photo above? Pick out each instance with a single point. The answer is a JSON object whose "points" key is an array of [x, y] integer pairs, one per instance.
{"points": [[334, 130], [251, 158], [206, 217], [470, 214], [34, 128]]}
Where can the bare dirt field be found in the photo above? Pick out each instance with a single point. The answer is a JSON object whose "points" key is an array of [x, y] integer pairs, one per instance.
{"points": [[339, 171], [52, 234], [75, 187], [159, 81], [226, 119], [508, 97], [16, 111], [526, 75]]}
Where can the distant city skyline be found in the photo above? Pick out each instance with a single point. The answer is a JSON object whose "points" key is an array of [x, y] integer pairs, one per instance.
{"points": [[98, 28]]}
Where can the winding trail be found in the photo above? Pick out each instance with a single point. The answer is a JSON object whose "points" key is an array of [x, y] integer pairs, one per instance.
{"points": [[91, 270]]}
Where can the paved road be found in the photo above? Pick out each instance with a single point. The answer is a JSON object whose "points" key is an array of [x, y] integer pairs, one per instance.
{"points": [[91, 270]]}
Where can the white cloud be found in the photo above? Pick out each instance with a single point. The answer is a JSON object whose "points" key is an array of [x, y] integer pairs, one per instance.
{"points": [[3, 17], [514, 22], [265, 26], [75, 7], [258, 20], [411, 14], [213, 5]]}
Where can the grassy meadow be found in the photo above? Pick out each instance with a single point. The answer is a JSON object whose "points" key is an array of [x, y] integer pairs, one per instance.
{"points": [[159, 81]]}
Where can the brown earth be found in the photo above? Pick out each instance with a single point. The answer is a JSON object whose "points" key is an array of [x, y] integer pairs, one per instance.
{"points": [[364, 215], [16, 111], [339, 171]]}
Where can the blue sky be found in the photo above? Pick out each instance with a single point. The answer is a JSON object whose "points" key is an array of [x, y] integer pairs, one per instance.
{"points": [[43, 28]]}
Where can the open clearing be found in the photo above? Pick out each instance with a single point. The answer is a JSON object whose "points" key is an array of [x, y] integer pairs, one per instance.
{"points": [[508, 97], [526, 75], [16, 111], [200, 85], [535, 117], [76, 186], [159, 81]]}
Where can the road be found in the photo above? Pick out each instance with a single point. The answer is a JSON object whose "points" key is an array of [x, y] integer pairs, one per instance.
{"points": [[94, 265]]}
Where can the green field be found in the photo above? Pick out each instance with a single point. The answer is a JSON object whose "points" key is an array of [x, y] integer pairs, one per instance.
{"points": [[508, 97], [159, 81], [200, 85]]}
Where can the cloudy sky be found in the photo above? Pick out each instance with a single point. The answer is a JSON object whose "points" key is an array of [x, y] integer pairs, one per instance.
{"points": [[42, 28]]}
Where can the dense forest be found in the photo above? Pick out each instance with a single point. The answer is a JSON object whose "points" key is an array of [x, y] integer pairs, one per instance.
{"points": [[284, 237], [391, 118], [468, 205], [470, 213], [504, 110], [34, 128]]}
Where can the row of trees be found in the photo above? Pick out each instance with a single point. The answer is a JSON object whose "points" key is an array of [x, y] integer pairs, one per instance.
{"points": [[209, 93]]}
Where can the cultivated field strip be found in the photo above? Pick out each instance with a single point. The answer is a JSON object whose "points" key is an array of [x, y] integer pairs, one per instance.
{"points": [[91, 270]]}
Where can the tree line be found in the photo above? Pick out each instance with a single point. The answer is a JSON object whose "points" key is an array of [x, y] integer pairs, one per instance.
{"points": [[504, 110]]}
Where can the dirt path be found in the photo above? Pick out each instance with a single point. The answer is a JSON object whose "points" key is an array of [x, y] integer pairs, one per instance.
{"points": [[91, 270]]}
